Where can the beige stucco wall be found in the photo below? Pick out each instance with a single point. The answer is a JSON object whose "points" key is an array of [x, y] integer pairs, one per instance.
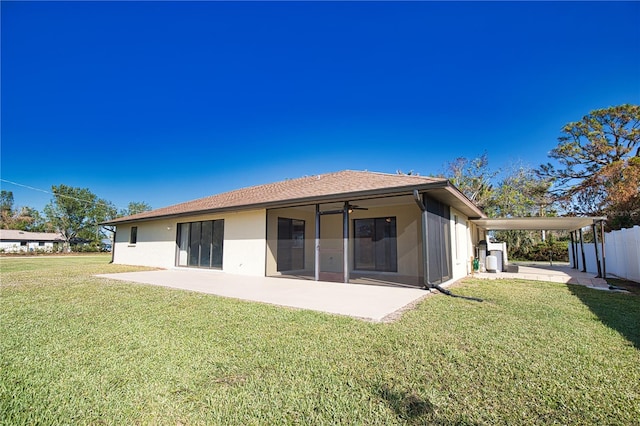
{"points": [[461, 246], [155, 246], [244, 242]]}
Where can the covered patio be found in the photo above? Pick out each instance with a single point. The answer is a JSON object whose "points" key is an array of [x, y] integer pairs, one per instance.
{"points": [[572, 273]]}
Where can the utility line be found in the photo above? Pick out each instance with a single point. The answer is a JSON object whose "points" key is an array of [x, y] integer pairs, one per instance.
{"points": [[51, 193]]}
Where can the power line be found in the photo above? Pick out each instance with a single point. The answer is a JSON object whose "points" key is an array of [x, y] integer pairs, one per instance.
{"points": [[25, 186], [51, 193]]}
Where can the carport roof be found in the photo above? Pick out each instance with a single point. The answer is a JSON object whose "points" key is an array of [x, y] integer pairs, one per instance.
{"points": [[536, 223]]}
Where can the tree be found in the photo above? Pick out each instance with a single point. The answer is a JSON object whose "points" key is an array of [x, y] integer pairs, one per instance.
{"points": [[598, 170], [473, 178], [22, 218], [76, 212], [6, 208], [520, 194], [135, 207]]}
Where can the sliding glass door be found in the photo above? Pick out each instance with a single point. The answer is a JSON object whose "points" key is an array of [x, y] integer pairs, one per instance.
{"points": [[375, 246], [200, 244], [290, 244]]}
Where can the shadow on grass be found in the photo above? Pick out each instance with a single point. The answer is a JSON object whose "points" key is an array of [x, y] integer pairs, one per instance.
{"points": [[618, 311], [415, 410], [407, 405]]}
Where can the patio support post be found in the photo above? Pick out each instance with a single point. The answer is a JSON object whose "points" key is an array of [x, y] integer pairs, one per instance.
{"points": [[595, 245], [584, 261], [573, 251], [604, 261], [345, 241], [577, 249], [317, 246]]}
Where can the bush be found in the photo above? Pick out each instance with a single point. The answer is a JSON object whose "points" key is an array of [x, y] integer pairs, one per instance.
{"points": [[85, 248], [557, 250]]}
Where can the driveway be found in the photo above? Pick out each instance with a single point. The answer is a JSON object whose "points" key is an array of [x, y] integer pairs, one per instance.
{"points": [[373, 303]]}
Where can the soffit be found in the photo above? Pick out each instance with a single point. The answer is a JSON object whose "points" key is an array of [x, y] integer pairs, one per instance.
{"points": [[536, 223]]}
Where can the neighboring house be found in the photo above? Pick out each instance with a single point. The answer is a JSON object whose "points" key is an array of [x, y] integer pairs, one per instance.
{"points": [[13, 241], [348, 226]]}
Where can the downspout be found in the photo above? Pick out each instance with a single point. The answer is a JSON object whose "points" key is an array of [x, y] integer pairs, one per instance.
{"points": [[425, 253]]}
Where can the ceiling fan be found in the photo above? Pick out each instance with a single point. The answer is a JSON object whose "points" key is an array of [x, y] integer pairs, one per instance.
{"points": [[353, 207]]}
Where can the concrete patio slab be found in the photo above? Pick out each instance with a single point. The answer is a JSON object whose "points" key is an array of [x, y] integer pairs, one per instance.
{"points": [[557, 273], [360, 301]]}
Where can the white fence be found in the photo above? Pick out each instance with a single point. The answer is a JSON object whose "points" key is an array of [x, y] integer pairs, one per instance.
{"points": [[622, 253]]}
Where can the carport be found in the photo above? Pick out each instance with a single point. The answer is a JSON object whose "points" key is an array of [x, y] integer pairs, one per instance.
{"points": [[574, 225]]}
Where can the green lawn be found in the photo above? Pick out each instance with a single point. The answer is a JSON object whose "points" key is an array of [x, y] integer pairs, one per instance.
{"points": [[75, 349]]}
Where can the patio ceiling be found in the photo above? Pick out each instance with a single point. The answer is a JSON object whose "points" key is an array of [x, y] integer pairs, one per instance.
{"points": [[537, 223]]}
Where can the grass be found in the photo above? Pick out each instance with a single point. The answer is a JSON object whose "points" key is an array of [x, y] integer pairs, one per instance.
{"points": [[77, 349]]}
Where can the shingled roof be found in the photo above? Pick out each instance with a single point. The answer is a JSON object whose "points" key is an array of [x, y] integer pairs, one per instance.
{"points": [[325, 188], [18, 235]]}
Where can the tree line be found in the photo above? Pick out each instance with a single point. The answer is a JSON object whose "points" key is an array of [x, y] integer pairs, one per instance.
{"points": [[73, 212], [596, 173]]}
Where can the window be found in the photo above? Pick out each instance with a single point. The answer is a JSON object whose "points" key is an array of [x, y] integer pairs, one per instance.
{"points": [[375, 246], [41, 244], [23, 243], [133, 237], [290, 244], [200, 244]]}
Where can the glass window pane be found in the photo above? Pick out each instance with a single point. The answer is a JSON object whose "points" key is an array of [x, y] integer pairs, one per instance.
{"points": [[375, 245], [206, 244], [194, 244], [363, 244], [290, 255], [217, 243], [183, 248], [284, 244]]}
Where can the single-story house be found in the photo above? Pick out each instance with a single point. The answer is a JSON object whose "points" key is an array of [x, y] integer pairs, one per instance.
{"points": [[14, 240], [348, 226]]}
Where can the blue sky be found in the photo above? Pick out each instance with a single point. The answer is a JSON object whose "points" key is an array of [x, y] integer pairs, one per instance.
{"points": [[164, 102]]}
